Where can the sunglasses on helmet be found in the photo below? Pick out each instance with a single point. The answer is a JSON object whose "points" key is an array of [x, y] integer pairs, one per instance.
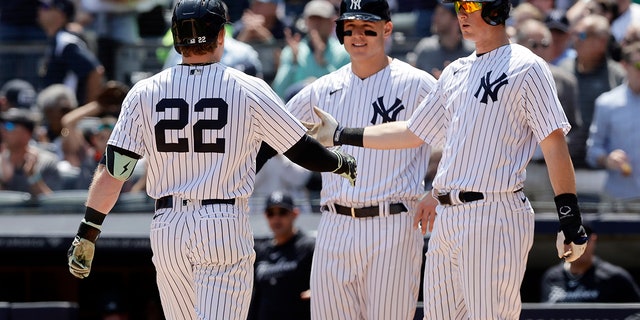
{"points": [[467, 6]]}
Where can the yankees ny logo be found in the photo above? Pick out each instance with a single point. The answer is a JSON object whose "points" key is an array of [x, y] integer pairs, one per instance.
{"points": [[355, 5], [387, 115], [491, 88]]}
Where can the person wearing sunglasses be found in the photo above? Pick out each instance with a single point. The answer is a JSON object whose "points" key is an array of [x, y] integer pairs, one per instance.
{"points": [[283, 265], [25, 166], [489, 110], [614, 140]]}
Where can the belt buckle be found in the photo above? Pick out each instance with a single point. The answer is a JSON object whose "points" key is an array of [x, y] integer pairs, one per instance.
{"points": [[353, 212]]}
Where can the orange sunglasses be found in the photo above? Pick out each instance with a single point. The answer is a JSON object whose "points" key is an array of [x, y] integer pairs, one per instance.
{"points": [[468, 6]]}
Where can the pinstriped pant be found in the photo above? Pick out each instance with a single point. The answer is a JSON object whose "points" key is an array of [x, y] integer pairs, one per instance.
{"points": [[204, 261], [476, 259], [366, 268]]}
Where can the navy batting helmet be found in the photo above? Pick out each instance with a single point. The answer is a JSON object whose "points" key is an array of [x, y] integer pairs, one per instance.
{"points": [[367, 10], [197, 22], [494, 12]]}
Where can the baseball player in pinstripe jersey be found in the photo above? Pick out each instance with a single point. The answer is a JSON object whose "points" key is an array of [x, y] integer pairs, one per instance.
{"points": [[200, 125], [489, 110], [368, 256]]}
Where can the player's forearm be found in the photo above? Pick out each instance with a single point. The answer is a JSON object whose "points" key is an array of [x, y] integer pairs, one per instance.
{"points": [[559, 165], [311, 155], [391, 135], [104, 191]]}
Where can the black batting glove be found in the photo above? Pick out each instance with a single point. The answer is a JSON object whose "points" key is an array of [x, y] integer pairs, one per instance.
{"points": [[572, 232], [347, 166]]}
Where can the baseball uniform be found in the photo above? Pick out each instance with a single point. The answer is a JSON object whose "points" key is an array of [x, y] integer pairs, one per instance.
{"points": [[200, 128], [368, 267], [504, 95]]}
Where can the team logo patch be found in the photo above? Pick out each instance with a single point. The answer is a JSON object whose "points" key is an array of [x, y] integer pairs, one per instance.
{"points": [[387, 115], [490, 88], [355, 5]]}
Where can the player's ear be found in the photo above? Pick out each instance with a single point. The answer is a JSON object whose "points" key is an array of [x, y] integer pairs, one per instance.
{"points": [[388, 29], [221, 35]]}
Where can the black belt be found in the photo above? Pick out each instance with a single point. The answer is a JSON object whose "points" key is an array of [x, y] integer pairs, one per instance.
{"points": [[464, 196], [366, 212], [167, 202]]}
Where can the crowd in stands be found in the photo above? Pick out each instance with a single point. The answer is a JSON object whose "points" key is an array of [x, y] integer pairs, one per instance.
{"points": [[58, 108]]}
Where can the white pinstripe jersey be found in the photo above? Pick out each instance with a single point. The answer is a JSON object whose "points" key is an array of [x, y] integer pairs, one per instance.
{"points": [[506, 98], [200, 128], [393, 93]]}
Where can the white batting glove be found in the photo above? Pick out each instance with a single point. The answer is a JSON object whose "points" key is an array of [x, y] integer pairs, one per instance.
{"points": [[80, 256], [324, 131], [569, 252]]}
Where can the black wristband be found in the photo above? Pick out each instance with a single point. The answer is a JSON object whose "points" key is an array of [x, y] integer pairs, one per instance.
{"points": [[568, 215], [90, 226], [349, 136], [94, 216]]}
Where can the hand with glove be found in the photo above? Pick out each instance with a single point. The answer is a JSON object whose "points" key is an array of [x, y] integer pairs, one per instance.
{"points": [[80, 254], [325, 131], [572, 238], [347, 166]]}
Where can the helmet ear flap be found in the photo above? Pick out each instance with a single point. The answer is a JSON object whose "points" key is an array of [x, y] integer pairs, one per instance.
{"points": [[496, 12]]}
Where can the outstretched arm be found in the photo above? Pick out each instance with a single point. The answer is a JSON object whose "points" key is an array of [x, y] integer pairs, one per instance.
{"points": [[311, 155], [572, 238], [390, 135]]}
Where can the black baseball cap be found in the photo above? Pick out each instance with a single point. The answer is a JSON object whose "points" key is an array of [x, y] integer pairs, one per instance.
{"points": [[66, 6], [280, 199], [557, 20], [19, 93], [365, 10]]}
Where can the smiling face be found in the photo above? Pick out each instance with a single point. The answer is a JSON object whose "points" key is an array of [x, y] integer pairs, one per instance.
{"points": [[365, 39]]}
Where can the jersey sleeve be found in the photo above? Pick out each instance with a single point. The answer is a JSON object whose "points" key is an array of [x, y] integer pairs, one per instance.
{"points": [[429, 120], [276, 126], [127, 132], [544, 111]]}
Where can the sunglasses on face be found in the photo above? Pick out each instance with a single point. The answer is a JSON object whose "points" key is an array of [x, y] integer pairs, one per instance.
{"points": [[581, 35], [9, 126], [467, 6], [280, 212]]}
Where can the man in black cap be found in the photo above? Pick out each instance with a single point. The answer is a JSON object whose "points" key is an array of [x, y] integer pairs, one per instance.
{"points": [[68, 60], [17, 93], [283, 265]]}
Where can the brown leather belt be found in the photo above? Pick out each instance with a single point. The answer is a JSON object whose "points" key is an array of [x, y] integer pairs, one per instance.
{"points": [[366, 212], [167, 202], [464, 196]]}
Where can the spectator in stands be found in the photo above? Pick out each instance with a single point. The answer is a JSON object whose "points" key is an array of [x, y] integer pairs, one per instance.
{"points": [[522, 13], [317, 53], [283, 265], [596, 73], [17, 93], [68, 60], [18, 25], [115, 24], [632, 35], [446, 44], [588, 279], [23, 166], [535, 35], [88, 127], [260, 24], [614, 141], [53, 103], [561, 47]]}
